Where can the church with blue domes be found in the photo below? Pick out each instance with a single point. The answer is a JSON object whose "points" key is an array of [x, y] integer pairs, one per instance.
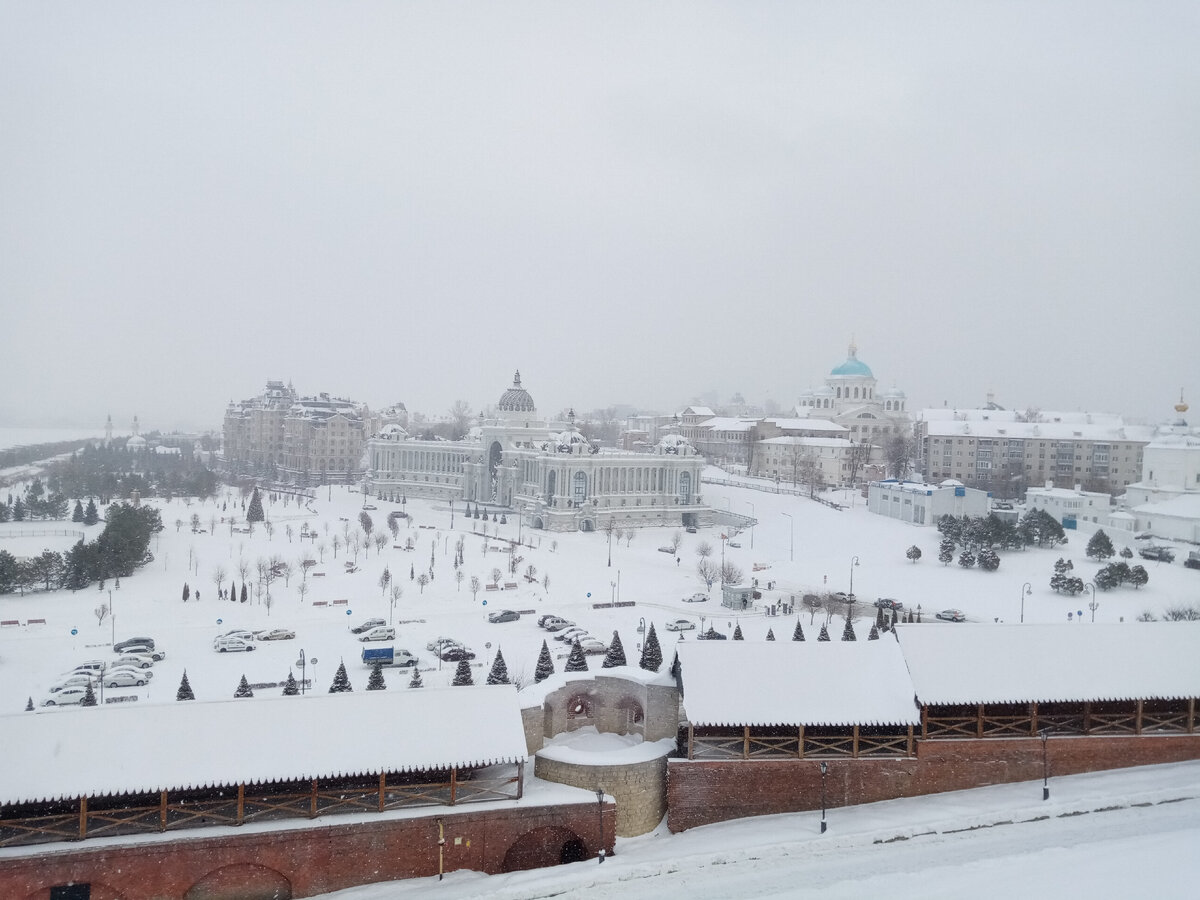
{"points": [[851, 398]]}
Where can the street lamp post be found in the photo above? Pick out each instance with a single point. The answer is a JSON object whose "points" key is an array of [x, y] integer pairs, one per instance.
{"points": [[112, 618], [824, 770], [452, 513], [1093, 605], [791, 537], [723, 540], [853, 564], [600, 808], [1026, 590], [303, 672], [1045, 736], [754, 516]]}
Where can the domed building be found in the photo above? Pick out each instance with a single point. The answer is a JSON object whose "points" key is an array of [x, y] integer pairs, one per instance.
{"points": [[555, 478], [851, 399]]}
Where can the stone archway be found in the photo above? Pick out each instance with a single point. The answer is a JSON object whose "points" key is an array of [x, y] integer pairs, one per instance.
{"points": [[587, 525], [538, 523], [547, 846], [243, 881]]}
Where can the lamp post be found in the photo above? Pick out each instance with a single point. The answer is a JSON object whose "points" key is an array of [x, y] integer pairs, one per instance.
{"points": [[600, 808], [612, 594], [303, 672], [112, 618], [451, 512], [853, 563], [791, 537], [609, 530], [1026, 590], [1044, 734], [1093, 605], [754, 516], [824, 770], [724, 538]]}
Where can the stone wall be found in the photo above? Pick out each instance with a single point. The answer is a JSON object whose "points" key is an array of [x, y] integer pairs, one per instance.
{"points": [[703, 792], [640, 789], [301, 862]]}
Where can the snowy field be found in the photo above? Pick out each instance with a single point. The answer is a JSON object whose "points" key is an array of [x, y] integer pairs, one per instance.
{"points": [[824, 543], [1121, 834]]}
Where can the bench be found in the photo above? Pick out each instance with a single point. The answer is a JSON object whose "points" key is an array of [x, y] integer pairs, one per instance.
{"points": [[320, 603], [8, 623], [35, 622], [510, 585], [340, 602], [491, 587], [318, 574]]}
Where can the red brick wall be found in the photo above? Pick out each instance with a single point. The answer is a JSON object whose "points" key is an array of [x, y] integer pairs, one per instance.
{"points": [[312, 860], [699, 793]]}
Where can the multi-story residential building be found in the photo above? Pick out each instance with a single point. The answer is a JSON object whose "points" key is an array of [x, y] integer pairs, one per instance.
{"points": [[1006, 451]]}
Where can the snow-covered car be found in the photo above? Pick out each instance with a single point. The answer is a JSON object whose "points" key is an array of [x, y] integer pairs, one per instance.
{"points": [[367, 626], [696, 598], [572, 634], [66, 697], [247, 636], [275, 634], [665, 549], [81, 680], [889, 603], [144, 650], [680, 625], [379, 633], [122, 646], [735, 544], [232, 644], [92, 666], [951, 615], [593, 646], [438, 644], [542, 620], [124, 678], [503, 615], [553, 625], [135, 660], [454, 654], [144, 673]]}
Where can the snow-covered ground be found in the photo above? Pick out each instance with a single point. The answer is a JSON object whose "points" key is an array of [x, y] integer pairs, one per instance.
{"points": [[1121, 834], [823, 541]]}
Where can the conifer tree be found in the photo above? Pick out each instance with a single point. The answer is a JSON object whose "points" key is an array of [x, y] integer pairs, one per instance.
{"points": [[89, 696], [341, 681], [913, 553], [245, 596], [576, 662], [255, 512], [946, 552], [291, 688], [651, 652], [90, 515], [824, 635], [185, 689], [770, 634], [499, 673], [376, 681], [879, 617], [874, 634], [616, 654], [798, 633], [848, 631], [737, 632], [462, 676], [187, 592], [415, 681], [243, 689], [77, 513], [1100, 547], [545, 665], [29, 705]]}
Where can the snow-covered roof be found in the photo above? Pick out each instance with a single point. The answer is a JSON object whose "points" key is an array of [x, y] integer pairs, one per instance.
{"points": [[1054, 431], [65, 753], [795, 441], [988, 663], [728, 423], [796, 683], [807, 425], [1184, 506]]}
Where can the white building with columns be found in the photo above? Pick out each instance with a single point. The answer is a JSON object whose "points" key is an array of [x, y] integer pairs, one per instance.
{"points": [[553, 477]]}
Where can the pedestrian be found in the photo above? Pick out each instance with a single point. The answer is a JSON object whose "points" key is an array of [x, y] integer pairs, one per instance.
{"points": [[677, 560]]}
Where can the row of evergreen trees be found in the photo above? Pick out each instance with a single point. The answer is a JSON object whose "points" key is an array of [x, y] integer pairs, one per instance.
{"points": [[115, 471], [36, 503], [1035, 527]]}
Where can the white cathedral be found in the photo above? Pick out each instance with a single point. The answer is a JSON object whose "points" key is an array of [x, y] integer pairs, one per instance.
{"points": [[555, 480]]}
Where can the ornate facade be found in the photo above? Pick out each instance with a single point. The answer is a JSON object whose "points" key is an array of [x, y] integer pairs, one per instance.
{"points": [[850, 398], [555, 479]]}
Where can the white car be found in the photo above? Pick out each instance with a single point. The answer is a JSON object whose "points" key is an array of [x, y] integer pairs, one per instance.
{"points": [[81, 680], [696, 598], [246, 636], [232, 644], [379, 633], [570, 635], [680, 625], [67, 697], [124, 678], [142, 673], [438, 644], [143, 650], [92, 666], [593, 646], [275, 634], [134, 659]]}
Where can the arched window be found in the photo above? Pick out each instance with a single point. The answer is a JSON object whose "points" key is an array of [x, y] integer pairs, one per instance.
{"points": [[839, 393], [856, 393], [579, 489]]}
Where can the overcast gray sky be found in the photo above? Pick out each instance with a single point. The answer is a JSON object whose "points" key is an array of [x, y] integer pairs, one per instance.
{"points": [[632, 203]]}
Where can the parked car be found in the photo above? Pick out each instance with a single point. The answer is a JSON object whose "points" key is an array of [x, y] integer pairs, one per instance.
{"points": [[734, 544], [696, 598], [1162, 554], [92, 666], [691, 529], [144, 650], [666, 549], [144, 673], [888, 603], [124, 678], [1193, 560], [503, 615], [370, 507], [80, 680], [439, 644], [951, 615], [247, 636], [379, 633], [542, 620], [275, 634], [66, 697], [571, 634], [232, 644], [367, 625], [454, 654], [680, 625], [121, 646], [558, 624], [592, 646], [134, 660]]}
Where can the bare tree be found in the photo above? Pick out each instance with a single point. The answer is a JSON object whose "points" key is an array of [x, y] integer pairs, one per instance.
{"points": [[289, 532], [459, 575], [269, 528], [814, 604], [195, 522], [288, 571], [704, 550], [243, 567], [384, 580], [708, 571], [302, 590], [101, 612], [546, 583], [496, 574], [336, 542], [218, 576], [422, 580], [321, 548], [731, 574], [676, 540], [380, 540], [630, 534], [476, 584]]}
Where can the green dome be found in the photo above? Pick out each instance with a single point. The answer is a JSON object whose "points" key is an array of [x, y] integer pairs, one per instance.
{"points": [[853, 366]]}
